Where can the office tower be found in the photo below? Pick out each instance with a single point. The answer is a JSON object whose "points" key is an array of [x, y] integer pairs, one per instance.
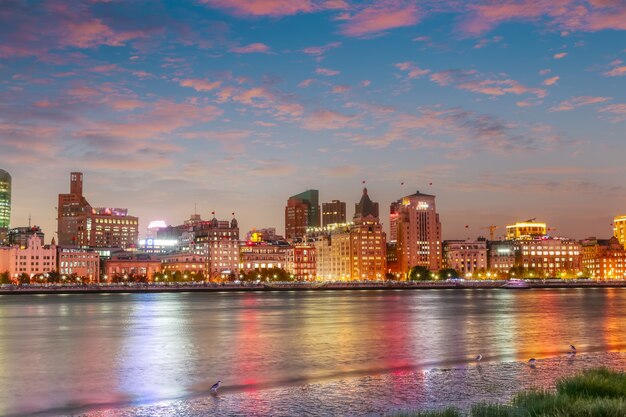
{"points": [[333, 212], [302, 211]]}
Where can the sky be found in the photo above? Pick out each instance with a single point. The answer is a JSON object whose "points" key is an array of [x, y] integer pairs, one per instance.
{"points": [[506, 110]]}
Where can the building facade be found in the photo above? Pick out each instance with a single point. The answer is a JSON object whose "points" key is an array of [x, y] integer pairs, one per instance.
{"points": [[465, 256], [33, 259], [219, 241], [20, 236], [300, 262], [302, 211], [261, 256], [603, 259], [80, 262], [185, 263], [125, 264], [333, 212], [415, 222], [550, 257], [501, 257]]}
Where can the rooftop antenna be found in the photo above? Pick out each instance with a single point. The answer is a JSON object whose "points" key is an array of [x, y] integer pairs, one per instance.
{"points": [[29, 220]]}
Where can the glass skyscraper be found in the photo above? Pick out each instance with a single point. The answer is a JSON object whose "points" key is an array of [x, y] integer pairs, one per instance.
{"points": [[5, 199]]}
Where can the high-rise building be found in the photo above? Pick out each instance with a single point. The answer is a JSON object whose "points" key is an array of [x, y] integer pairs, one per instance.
{"points": [[333, 212], [619, 229], [526, 230], [302, 211], [5, 203], [80, 224], [415, 226]]}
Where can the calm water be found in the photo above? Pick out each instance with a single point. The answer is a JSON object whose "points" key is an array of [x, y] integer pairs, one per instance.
{"points": [[296, 353]]}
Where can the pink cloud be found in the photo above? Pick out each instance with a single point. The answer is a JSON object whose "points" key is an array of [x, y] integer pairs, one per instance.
{"points": [[327, 72], [616, 72], [263, 7], [486, 41], [273, 168], [545, 71], [306, 83], [617, 110], [575, 102], [321, 50], [551, 80], [471, 80], [341, 89], [528, 103], [328, 119], [200, 84], [251, 48], [381, 16], [263, 98], [560, 55], [413, 71]]}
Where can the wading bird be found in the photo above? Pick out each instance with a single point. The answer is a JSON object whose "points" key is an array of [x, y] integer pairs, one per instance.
{"points": [[215, 387], [479, 358]]}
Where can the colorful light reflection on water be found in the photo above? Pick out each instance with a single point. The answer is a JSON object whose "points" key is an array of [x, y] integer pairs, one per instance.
{"points": [[64, 354]]}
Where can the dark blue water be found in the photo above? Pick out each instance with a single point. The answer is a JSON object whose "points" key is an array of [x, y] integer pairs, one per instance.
{"points": [[297, 353]]}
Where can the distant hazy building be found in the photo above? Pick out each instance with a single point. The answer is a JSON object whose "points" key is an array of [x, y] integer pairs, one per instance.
{"points": [[333, 212], [415, 226], [302, 211], [619, 229], [526, 230], [5, 203], [465, 256], [80, 224]]}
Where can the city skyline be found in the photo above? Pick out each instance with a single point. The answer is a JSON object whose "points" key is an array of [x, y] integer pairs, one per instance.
{"points": [[511, 110]]}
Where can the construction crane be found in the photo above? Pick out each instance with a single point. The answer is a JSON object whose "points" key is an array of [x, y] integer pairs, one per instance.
{"points": [[492, 229], [531, 220]]}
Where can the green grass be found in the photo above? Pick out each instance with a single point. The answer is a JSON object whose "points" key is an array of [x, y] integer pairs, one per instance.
{"points": [[595, 393]]}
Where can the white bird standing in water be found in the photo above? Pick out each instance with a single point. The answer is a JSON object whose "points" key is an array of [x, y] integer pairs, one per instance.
{"points": [[479, 358], [215, 387]]}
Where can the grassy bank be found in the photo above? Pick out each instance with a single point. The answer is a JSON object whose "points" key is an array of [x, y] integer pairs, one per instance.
{"points": [[595, 393]]}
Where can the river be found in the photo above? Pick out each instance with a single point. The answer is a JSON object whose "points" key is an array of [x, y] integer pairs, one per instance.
{"points": [[296, 353]]}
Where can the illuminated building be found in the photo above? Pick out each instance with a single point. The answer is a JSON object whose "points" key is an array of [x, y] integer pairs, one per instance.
{"points": [[501, 256], [619, 229], [355, 251], [300, 261], [549, 257], [302, 211], [392, 260], [33, 259], [526, 230], [20, 236], [262, 256], [333, 212], [154, 227], [159, 246], [415, 226], [5, 203], [83, 263], [185, 263], [219, 241], [80, 224], [125, 264], [603, 259], [267, 234], [465, 256]]}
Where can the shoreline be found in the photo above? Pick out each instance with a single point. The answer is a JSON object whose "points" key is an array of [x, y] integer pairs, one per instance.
{"points": [[212, 288]]}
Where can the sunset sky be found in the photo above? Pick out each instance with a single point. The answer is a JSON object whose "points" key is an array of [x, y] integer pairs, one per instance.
{"points": [[511, 109]]}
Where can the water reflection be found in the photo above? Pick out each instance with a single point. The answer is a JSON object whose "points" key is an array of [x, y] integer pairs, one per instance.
{"points": [[69, 353]]}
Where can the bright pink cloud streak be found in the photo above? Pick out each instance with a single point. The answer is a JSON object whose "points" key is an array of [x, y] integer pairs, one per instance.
{"points": [[381, 16]]}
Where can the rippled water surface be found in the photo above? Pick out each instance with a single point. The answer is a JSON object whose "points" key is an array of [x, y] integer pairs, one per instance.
{"points": [[296, 353]]}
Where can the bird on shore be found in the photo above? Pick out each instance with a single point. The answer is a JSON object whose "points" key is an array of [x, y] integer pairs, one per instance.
{"points": [[573, 348], [216, 386], [479, 358], [532, 362]]}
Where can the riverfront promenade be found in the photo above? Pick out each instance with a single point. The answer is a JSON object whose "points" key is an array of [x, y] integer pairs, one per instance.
{"points": [[298, 286]]}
